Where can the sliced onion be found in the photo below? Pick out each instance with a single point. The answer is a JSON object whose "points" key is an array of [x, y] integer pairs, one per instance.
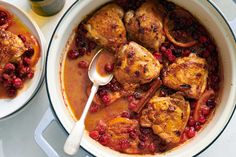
{"points": [[171, 38]]}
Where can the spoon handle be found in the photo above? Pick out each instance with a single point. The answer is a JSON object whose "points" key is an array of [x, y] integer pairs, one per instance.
{"points": [[73, 141]]}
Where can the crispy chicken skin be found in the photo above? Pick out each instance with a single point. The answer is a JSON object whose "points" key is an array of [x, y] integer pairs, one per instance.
{"points": [[11, 47], [188, 75], [135, 65], [106, 28], [167, 116], [146, 25]]}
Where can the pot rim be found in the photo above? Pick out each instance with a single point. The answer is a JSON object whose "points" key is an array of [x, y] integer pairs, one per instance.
{"points": [[47, 86]]}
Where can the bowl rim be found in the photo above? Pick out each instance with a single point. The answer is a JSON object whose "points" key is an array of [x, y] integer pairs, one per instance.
{"points": [[47, 86], [42, 59]]}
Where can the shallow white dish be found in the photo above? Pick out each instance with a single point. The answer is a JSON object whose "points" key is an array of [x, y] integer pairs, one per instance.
{"points": [[10, 106], [215, 23]]}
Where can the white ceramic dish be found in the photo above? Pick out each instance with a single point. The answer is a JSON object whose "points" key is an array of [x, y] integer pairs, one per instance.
{"points": [[10, 106], [215, 23]]}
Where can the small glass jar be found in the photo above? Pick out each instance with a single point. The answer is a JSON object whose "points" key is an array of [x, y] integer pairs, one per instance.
{"points": [[46, 7]]}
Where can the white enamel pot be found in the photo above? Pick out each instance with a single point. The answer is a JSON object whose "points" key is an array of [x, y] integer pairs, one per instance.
{"points": [[207, 13]]}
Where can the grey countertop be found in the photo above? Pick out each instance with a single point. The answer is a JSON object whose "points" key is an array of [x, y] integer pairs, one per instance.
{"points": [[17, 131]]}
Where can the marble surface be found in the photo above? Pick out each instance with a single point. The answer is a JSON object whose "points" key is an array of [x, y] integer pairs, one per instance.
{"points": [[17, 131]]}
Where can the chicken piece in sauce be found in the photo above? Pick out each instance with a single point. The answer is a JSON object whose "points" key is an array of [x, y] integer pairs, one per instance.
{"points": [[146, 25], [167, 116], [188, 75], [119, 130], [135, 65], [106, 28], [11, 47]]}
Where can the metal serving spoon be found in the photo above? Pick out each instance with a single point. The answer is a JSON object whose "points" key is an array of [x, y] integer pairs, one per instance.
{"points": [[73, 141]]}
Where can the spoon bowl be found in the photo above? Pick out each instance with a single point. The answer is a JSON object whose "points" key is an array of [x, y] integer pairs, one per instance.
{"points": [[94, 75]]}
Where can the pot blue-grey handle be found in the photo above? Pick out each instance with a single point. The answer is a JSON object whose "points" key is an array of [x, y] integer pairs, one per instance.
{"points": [[47, 119]]}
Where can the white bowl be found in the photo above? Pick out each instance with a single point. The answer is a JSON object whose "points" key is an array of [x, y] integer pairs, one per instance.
{"points": [[215, 23], [10, 106]]}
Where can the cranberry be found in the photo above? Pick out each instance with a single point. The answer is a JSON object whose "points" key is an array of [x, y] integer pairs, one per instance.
{"points": [[109, 68], [17, 83], [24, 71], [29, 52], [9, 68], [6, 76], [133, 134], [197, 126], [203, 39], [141, 145], [124, 144], [81, 29], [125, 114], [114, 87], [3, 18], [186, 53], [93, 108], [152, 147], [83, 64], [104, 139], [73, 54], [163, 48], [80, 42], [11, 92], [170, 55], [94, 134], [191, 121], [130, 98], [171, 58], [101, 127], [22, 37], [26, 61], [205, 110], [91, 45], [211, 103], [143, 137], [186, 129], [82, 51], [202, 119], [205, 53], [102, 92], [106, 99], [30, 75], [191, 132], [7, 83], [145, 131], [132, 106], [158, 56]]}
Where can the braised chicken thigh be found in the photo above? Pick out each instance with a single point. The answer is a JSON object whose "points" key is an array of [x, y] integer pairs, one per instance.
{"points": [[106, 28], [146, 25], [188, 75], [135, 65], [11, 47], [167, 116]]}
